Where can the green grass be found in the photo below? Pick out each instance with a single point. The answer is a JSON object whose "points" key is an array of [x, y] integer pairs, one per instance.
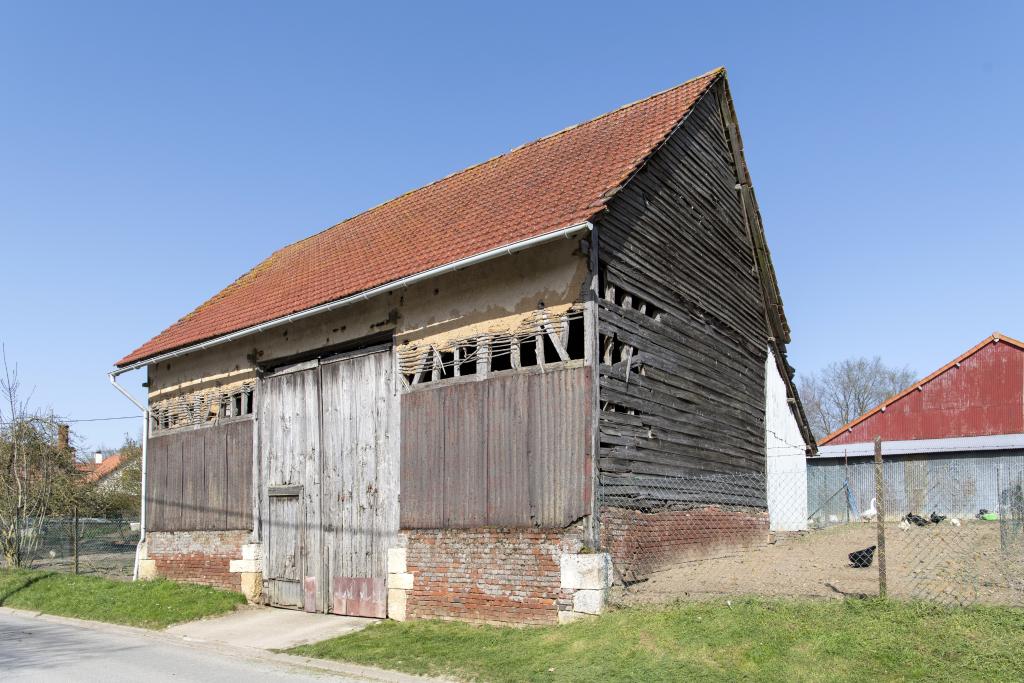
{"points": [[753, 640], [151, 604]]}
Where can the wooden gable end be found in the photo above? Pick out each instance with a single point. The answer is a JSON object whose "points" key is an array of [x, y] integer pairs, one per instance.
{"points": [[682, 321]]}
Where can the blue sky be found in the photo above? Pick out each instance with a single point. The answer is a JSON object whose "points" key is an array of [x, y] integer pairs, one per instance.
{"points": [[152, 152]]}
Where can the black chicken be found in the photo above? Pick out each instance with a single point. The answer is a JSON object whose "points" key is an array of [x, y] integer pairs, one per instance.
{"points": [[916, 519], [862, 558], [936, 518]]}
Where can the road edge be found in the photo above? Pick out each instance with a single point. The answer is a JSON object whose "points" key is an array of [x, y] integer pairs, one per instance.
{"points": [[368, 673]]}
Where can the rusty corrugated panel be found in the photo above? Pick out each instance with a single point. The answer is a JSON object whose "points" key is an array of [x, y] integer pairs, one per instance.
{"points": [[558, 444], [508, 470], [422, 463], [980, 394], [466, 414]]}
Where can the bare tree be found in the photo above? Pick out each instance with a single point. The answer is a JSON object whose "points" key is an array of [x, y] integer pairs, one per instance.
{"points": [[37, 472], [844, 390]]}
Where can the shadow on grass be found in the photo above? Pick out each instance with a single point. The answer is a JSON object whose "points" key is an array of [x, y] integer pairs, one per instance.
{"points": [[27, 582]]}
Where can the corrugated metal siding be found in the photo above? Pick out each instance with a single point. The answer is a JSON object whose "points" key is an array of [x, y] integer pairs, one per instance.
{"points": [[985, 395], [956, 485], [558, 428], [511, 450], [422, 461]]}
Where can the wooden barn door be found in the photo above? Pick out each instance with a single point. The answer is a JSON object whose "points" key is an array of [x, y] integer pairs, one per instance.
{"points": [[328, 444], [360, 479], [289, 443]]}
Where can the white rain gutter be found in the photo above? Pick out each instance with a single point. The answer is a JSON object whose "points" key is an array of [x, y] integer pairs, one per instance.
{"points": [[362, 296], [507, 250], [142, 483], [952, 444]]}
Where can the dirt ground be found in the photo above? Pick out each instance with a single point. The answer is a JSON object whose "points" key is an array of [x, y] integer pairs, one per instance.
{"points": [[946, 563], [109, 565]]}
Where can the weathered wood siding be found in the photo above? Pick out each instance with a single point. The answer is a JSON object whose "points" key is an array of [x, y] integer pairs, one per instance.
{"points": [[681, 319], [200, 479], [359, 442], [328, 441], [508, 451], [288, 408]]}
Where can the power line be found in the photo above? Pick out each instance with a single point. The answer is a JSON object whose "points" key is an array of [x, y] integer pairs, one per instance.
{"points": [[84, 419]]}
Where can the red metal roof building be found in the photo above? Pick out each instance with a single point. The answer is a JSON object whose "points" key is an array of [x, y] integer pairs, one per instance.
{"points": [[974, 402]]}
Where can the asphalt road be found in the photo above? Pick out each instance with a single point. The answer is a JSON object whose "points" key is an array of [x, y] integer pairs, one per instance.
{"points": [[32, 649]]}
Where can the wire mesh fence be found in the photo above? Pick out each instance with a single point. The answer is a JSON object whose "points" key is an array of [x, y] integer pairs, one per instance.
{"points": [[88, 545], [947, 532]]}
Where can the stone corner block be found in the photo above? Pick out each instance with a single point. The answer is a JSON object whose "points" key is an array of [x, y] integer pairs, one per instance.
{"points": [[252, 587], [401, 581], [396, 604], [396, 560], [588, 601], [252, 551], [244, 566], [591, 571], [147, 570]]}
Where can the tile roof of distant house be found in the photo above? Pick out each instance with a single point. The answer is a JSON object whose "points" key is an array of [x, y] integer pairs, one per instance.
{"points": [[550, 184], [95, 471]]}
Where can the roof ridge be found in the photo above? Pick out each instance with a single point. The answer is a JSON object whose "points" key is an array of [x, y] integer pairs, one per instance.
{"points": [[995, 337], [627, 135], [252, 271], [467, 169]]}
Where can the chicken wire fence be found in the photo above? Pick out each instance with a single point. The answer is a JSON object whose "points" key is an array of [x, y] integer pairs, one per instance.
{"points": [[83, 545], [947, 532]]}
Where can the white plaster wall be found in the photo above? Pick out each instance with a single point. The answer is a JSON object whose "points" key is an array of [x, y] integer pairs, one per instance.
{"points": [[787, 465]]}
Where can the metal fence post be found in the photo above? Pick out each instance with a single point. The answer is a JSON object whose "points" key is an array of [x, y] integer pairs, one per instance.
{"points": [[880, 517], [74, 536]]}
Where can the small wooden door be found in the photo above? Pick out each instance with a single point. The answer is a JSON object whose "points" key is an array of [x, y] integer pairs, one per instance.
{"points": [[328, 444], [285, 533]]}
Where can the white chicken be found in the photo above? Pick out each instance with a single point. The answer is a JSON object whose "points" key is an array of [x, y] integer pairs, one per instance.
{"points": [[871, 512]]}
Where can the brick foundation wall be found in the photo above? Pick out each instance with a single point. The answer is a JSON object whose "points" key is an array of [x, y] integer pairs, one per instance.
{"points": [[197, 556], [642, 542], [508, 576]]}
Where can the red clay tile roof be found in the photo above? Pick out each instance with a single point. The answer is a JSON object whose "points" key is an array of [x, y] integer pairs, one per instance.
{"points": [[556, 182], [94, 472]]}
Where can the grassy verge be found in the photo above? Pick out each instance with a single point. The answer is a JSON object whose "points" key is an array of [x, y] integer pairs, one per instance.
{"points": [[751, 640], [152, 604]]}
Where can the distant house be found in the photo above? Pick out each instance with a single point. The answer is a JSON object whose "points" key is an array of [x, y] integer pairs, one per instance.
{"points": [[963, 421], [104, 470], [470, 400]]}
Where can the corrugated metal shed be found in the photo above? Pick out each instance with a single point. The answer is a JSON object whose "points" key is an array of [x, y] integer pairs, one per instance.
{"points": [[953, 484], [980, 393]]}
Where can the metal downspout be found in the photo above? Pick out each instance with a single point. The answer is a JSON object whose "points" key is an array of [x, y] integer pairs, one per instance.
{"points": [[142, 493]]}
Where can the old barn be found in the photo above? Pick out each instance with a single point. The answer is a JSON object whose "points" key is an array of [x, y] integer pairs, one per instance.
{"points": [[457, 404]]}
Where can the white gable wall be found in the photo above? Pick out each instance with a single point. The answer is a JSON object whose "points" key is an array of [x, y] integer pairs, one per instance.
{"points": [[787, 465]]}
